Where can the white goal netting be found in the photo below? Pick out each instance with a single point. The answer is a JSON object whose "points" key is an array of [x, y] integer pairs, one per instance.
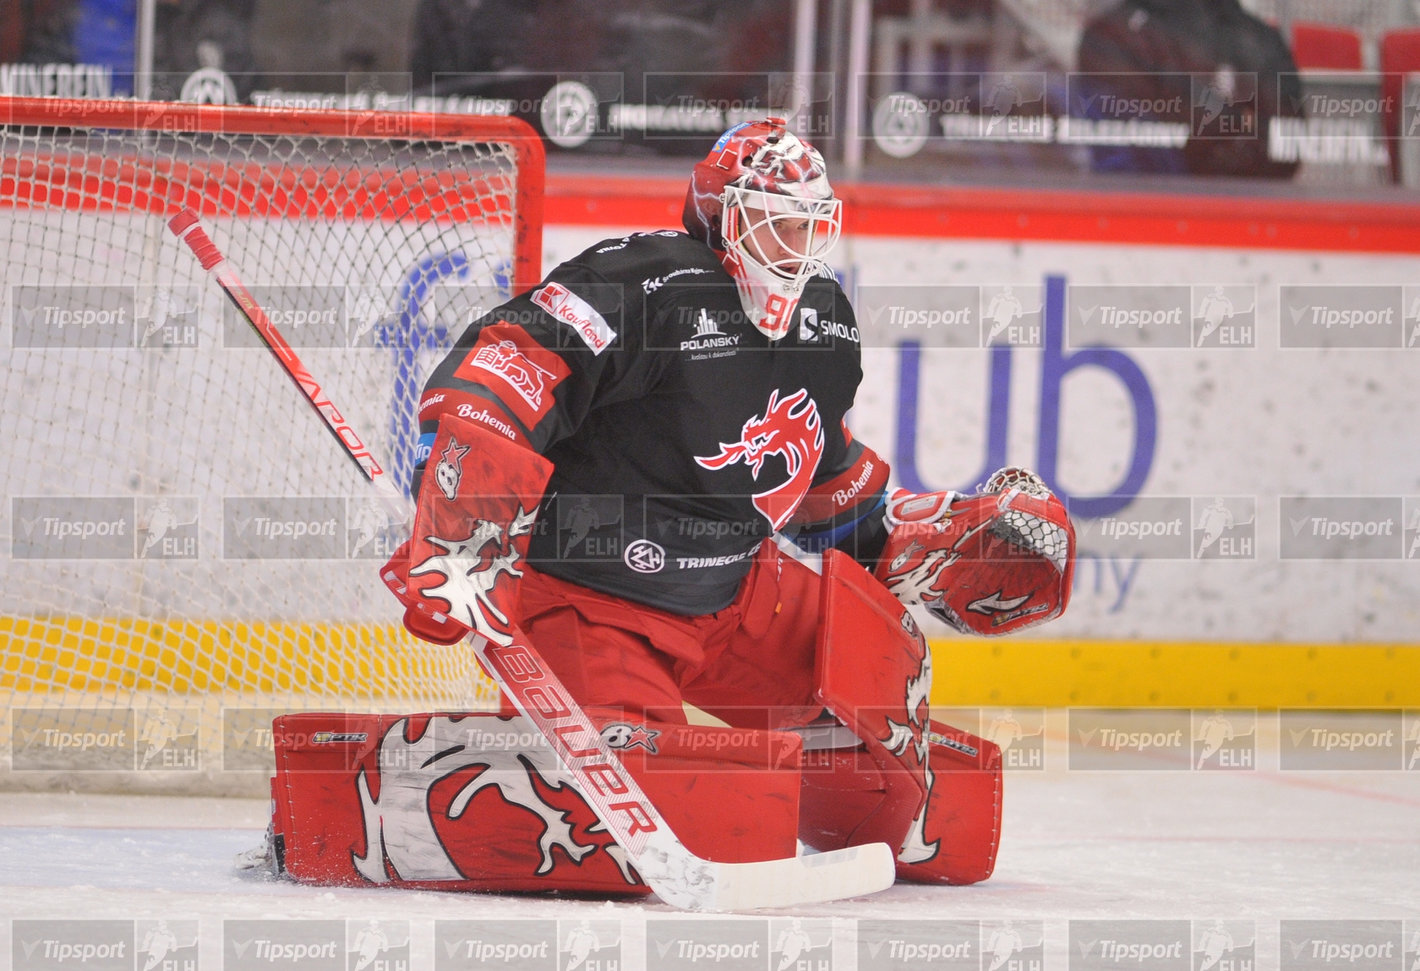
{"points": [[186, 551]]}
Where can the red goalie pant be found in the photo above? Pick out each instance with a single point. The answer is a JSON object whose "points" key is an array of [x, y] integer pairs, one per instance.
{"points": [[763, 663], [750, 664]]}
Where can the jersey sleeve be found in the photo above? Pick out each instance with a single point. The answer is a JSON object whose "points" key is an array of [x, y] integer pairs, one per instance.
{"points": [[843, 507], [533, 368]]}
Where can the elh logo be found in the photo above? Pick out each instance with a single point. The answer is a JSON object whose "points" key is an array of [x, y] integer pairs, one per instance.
{"points": [[1011, 316], [1224, 316], [167, 528], [1224, 528], [1224, 945], [589, 945], [1020, 734], [169, 741], [1224, 740], [167, 945], [1013, 945], [801, 944], [377, 945]]}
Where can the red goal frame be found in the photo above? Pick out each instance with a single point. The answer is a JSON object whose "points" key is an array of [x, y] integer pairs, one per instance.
{"points": [[218, 188]]}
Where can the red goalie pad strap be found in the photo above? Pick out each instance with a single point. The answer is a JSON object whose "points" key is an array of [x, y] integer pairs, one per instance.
{"points": [[992, 563], [472, 523], [874, 673], [479, 801], [954, 839]]}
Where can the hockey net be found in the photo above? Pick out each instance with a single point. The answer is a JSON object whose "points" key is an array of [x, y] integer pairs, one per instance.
{"points": [[186, 553]]}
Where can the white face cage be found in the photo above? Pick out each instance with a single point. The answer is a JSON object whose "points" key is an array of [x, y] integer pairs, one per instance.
{"points": [[775, 243]]}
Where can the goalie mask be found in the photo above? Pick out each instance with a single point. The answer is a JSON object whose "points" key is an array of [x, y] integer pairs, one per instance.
{"points": [[761, 198]]}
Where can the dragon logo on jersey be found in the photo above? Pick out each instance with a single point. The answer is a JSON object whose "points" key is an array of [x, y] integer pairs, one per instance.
{"points": [[471, 568], [449, 472], [789, 427], [402, 823]]}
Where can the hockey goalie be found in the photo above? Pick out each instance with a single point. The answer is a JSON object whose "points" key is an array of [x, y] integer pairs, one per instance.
{"points": [[641, 469]]}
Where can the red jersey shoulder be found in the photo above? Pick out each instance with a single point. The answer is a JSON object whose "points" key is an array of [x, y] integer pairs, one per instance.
{"points": [[525, 373]]}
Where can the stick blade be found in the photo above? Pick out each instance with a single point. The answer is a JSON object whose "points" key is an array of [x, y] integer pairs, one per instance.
{"points": [[852, 872]]}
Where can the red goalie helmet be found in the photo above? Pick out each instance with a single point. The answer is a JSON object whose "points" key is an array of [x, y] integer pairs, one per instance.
{"points": [[762, 199]]}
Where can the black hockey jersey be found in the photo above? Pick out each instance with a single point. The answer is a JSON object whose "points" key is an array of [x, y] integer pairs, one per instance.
{"points": [[681, 435]]}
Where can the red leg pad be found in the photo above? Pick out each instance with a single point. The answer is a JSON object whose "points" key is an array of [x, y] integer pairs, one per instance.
{"points": [[478, 802], [960, 828]]}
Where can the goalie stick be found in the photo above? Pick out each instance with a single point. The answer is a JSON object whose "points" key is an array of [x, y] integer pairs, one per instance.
{"points": [[675, 874]]}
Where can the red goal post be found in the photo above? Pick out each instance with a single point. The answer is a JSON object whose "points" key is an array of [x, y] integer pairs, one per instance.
{"points": [[186, 552]]}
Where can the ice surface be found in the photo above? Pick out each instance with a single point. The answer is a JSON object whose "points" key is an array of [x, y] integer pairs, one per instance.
{"points": [[1252, 848]]}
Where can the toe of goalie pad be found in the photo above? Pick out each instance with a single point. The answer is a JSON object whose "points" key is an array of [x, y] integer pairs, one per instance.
{"points": [[480, 802], [956, 837], [992, 563], [953, 840], [472, 524]]}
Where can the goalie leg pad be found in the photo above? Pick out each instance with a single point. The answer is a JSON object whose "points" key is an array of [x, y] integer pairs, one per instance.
{"points": [[953, 841], [874, 674], [479, 801]]}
